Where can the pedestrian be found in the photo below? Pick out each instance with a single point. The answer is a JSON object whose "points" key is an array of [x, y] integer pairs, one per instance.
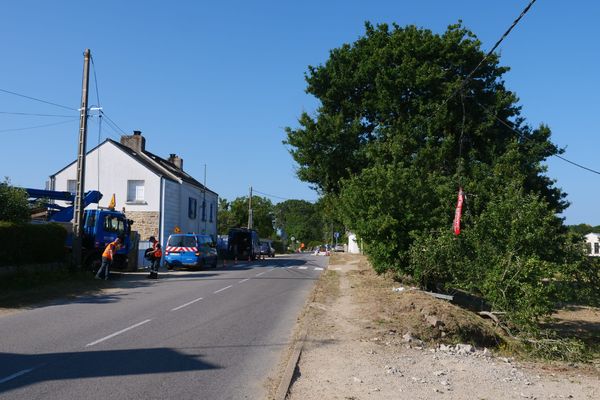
{"points": [[107, 257], [155, 256]]}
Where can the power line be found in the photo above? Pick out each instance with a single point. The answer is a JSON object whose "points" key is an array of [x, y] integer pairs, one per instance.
{"points": [[95, 81], [37, 126], [270, 195], [524, 136], [112, 122], [34, 114], [489, 53], [39, 100]]}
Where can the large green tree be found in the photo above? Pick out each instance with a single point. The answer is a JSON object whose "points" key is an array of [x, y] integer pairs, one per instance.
{"points": [[403, 122], [300, 219], [14, 206], [398, 130], [235, 214]]}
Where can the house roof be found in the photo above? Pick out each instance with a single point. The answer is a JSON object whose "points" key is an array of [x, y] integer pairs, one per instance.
{"points": [[154, 163]]}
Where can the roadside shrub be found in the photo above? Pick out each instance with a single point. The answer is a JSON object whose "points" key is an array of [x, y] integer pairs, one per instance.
{"points": [[31, 244], [14, 206], [515, 255]]}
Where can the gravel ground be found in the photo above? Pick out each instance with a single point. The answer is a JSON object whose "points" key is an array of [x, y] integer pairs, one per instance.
{"points": [[348, 355]]}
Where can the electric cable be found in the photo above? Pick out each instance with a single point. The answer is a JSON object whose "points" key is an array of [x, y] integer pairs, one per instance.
{"points": [[36, 99], [521, 134], [35, 114], [38, 126], [489, 53], [270, 195], [112, 122]]}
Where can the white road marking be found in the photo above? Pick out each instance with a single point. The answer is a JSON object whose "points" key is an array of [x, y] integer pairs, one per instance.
{"points": [[264, 272], [186, 304], [220, 290], [117, 333], [302, 267], [16, 375], [318, 269], [290, 266], [244, 280]]}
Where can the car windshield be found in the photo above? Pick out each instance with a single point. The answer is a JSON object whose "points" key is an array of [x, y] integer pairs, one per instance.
{"points": [[182, 241], [204, 239]]}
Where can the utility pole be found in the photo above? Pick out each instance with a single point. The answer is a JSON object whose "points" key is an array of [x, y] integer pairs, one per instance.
{"points": [[250, 216], [78, 217], [204, 200]]}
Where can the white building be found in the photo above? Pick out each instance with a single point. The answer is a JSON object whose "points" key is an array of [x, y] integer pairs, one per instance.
{"points": [[592, 241], [353, 245], [155, 193]]}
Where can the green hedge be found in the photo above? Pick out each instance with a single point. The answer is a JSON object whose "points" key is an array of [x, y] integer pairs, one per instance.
{"points": [[31, 244]]}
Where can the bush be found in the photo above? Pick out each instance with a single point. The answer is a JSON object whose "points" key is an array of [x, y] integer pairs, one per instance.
{"points": [[31, 244], [14, 206], [514, 254]]}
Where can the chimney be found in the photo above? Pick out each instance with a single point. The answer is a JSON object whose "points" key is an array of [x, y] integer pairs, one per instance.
{"points": [[176, 160], [135, 142]]}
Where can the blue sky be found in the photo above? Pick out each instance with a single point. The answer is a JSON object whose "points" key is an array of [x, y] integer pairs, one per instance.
{"points": [[216, 82]]}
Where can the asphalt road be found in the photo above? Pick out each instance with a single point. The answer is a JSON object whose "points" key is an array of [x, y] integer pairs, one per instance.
{"points": [[210, 334]]}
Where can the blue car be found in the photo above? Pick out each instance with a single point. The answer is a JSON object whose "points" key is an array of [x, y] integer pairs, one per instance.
{"points": [[190, 250]]}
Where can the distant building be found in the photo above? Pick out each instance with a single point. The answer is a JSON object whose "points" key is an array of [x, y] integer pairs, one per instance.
{"points": [[155, 192], [353, 245], [592, 240]]}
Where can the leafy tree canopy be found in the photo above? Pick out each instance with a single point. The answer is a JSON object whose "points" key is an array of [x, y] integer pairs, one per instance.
{"points": [[14, 206], [235, 214], [399, 129], [300, 219]]}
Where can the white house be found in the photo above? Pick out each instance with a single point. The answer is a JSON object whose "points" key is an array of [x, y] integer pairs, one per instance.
{"points": [[592, 241], [353, 245], [155, 193]]}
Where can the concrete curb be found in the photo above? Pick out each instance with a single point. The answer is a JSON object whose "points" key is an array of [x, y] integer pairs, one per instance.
{"points": [[288, 374]]}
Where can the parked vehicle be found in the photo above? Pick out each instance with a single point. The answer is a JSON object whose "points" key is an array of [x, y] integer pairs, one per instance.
{"points": [[243, 243], [100, 226], [190, 250], [266, 249], [338, 248]]}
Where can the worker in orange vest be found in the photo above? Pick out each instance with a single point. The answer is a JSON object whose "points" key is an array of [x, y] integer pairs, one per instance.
{"points": [[155, 256], [107, 257]]}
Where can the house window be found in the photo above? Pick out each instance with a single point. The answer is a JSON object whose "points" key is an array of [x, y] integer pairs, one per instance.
{"points": [[135, 191], [210, 216], [203, 210], [71, 186], [192, 208], [596, 248], [589, 247]]}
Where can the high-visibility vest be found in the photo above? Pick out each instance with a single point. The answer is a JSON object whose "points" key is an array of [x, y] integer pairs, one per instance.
{"points": [[157, 250], [109, 250]]}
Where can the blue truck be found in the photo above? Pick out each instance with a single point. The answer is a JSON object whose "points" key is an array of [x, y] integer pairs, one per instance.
{"points": [[100, 226]]}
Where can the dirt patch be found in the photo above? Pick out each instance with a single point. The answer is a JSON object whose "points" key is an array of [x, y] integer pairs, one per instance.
{"points": [[366, 341]]}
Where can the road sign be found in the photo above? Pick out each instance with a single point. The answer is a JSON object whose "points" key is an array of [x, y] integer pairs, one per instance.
{"points": [[336, 234], [293, 239]]}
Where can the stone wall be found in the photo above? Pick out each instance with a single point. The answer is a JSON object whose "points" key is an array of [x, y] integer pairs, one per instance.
{"points": [[145, 223]]}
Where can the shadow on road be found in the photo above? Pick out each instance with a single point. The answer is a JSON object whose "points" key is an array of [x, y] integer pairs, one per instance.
{"points": [[21, 370]]}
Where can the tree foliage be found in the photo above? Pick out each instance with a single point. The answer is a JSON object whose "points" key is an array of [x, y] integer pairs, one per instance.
{"points": [[300, 219], [235, 214], [398, 131], [14, 206]]}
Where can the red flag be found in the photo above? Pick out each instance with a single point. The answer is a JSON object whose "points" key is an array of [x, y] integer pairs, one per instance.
{"points": [[458, 212]]}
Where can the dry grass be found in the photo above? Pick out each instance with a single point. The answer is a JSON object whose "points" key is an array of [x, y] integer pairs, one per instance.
{"points": [[409, 311]]}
